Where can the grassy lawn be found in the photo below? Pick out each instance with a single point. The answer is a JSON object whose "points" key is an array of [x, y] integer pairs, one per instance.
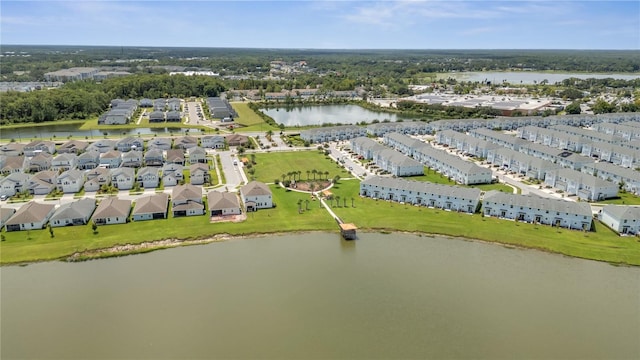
{"points": [[249, 118], [22, 246], [437, 178], [622, 199], [271, 166], [602, 244]]}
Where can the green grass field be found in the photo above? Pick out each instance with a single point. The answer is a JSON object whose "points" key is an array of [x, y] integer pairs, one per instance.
{"points": [[437, 178], [623, 199], [271, 166], [249, 119]]}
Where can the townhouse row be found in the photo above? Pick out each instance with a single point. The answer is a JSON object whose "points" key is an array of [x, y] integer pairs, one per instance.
{"points": [[526, 208], [185, 200]]}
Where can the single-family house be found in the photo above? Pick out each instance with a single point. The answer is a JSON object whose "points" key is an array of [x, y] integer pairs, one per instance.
{"points": [[199, 174], [88, 160], [197, 155], [73, 147], [185, 142], [14, 164], [129, 143], [123, 178], [14, 183], [156, 116], [40, 162], [64, 161], [223, 203], [12, 149], [112, 210], [74, 213], [96, 178], [187, 200], [237, 140], [149, 177], [256, 195], [172, 174], [43, 182], [173, 104], [159, 143], [38, 146], [174, 156], [111, 159], [132, 159], [539, 210], [146, 103], [174, 116], [5, 214], [70, 181], [213, 141], [154, 157], [151, 207], [31, 216], [623, 219], [102, 146]]}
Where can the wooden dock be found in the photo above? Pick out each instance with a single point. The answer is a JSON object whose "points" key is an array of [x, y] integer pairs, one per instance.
{"points": [[348, 231]]}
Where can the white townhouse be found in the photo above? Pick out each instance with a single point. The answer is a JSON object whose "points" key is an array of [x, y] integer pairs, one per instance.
{"points": [[332, 133], [403, 127], [421, 193], [553, 138], [148, 176], [31, 216], [498, 137], [585, 186], [623, 219], [398, 164], [212, 141], [74, 213], [624, 131], [70, 181], [590, 134], [465, 143], [123, 178], [453, 167], [539, 210], [616, 154], [628, 178], [112, 210], [64, 161], [256, 195], [520, 163], [401, 142], [366, 147]]}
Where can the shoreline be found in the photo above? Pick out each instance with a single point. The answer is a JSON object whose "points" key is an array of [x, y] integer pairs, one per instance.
{"points": [[151, 246]]}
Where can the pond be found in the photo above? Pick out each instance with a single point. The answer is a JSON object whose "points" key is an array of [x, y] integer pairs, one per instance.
{"points": [[315, 295], [327, 114], [530, 77]]}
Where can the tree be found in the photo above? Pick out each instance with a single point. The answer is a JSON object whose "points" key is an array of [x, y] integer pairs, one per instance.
{"points": [[284, 176], [299, 206], [573, 108], [326, 175], [253, 159], [338, 200], [306, 202], [308, 172], [314, 172], [51, 231], [94, 227], [352, 199], [336, 179], [603, 107]]}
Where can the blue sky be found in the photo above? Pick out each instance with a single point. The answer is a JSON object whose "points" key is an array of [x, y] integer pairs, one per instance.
{"points": [[409, 24]]}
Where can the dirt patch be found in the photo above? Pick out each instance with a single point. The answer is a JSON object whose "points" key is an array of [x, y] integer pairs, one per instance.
{"points": [[306, 185]]}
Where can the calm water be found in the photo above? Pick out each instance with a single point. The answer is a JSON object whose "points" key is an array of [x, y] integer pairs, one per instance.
{"points": [[63, 131], [333, 114], [530, 77], [315, 296]]}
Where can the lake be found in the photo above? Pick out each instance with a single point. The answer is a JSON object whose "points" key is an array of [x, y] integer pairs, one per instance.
{"points": [[317, 296], [326, 114], [530, 77], [62, 131]]}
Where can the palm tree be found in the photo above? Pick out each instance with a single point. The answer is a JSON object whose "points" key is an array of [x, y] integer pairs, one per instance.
{"points": [[299, 173], [312, 187], [352, 199], [308, 172], [326, 175], [337, 200], [314, 172], [306, 203], [283, 177], [299, 206]]}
